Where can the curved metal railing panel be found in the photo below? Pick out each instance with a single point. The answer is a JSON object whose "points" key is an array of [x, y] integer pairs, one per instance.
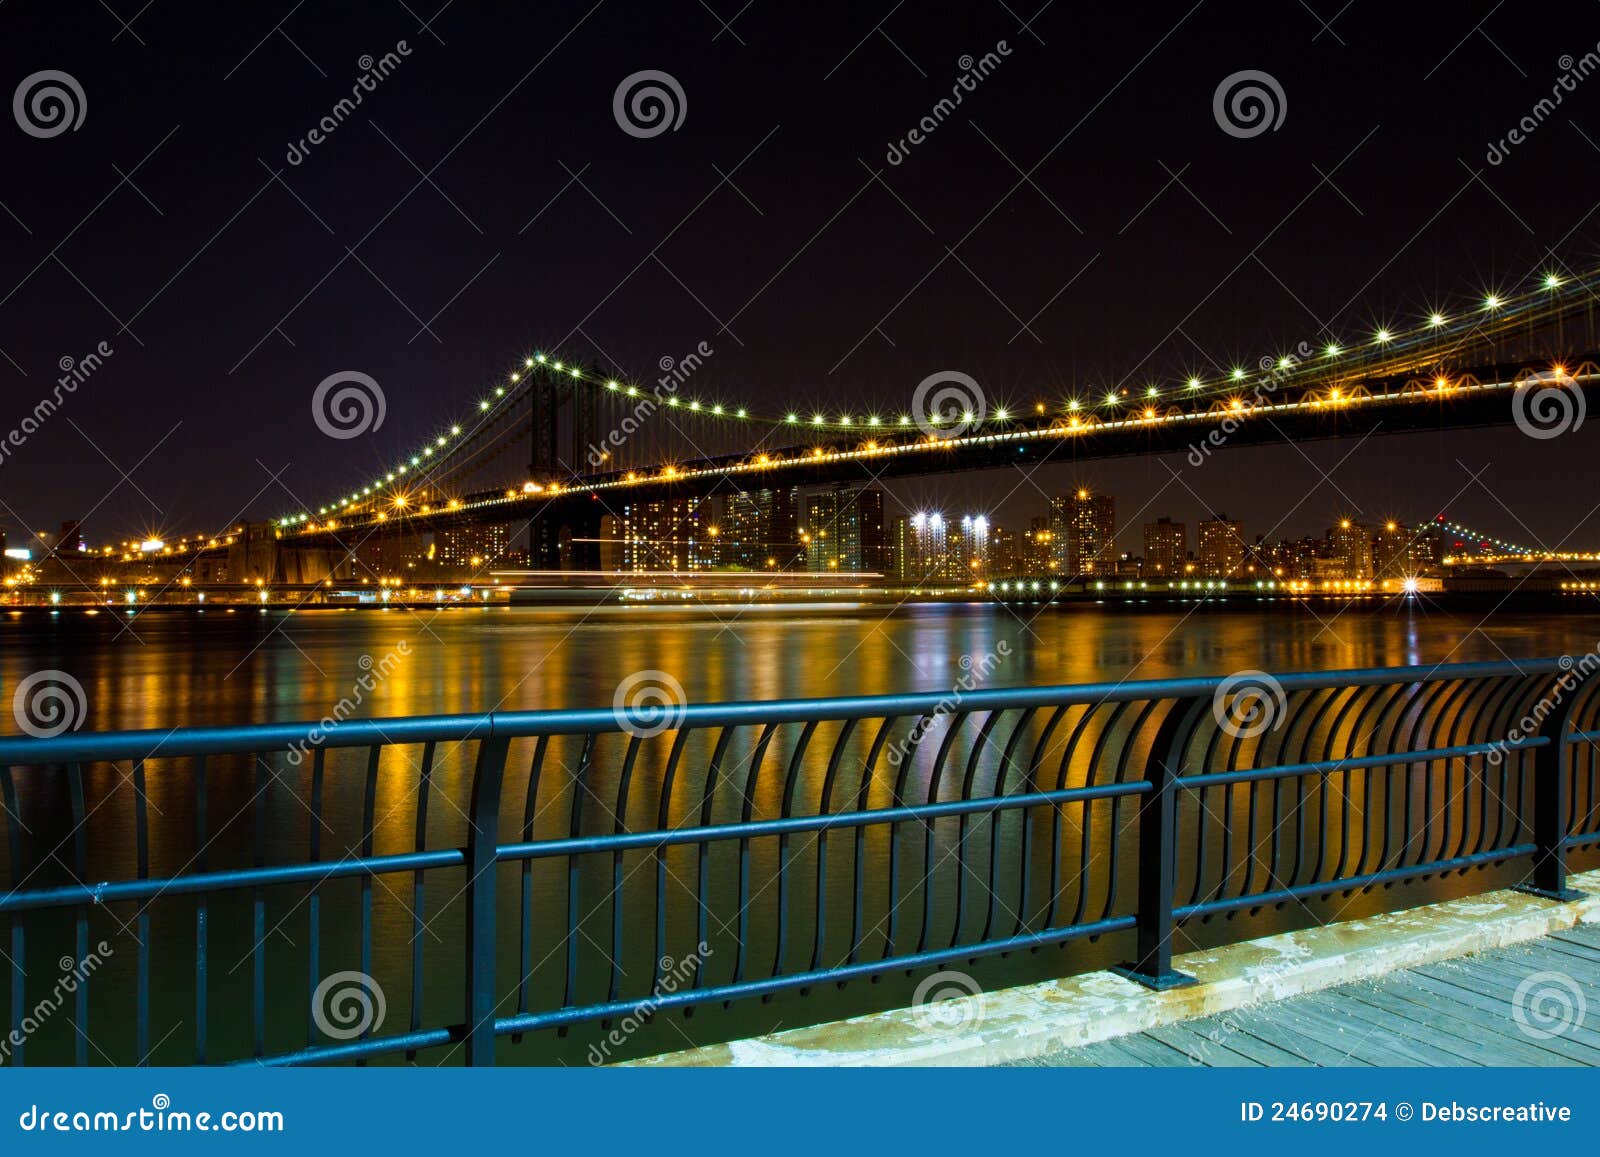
{"points": [[512, 873]]}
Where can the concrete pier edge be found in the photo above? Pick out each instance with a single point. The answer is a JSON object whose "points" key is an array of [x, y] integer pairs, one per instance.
{"points": [[1036, 1019]]}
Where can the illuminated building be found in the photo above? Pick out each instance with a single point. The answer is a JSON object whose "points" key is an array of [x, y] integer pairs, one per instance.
{"points": [[1220, 547], [1166, 549], [665, 534], [1083, 529], [843, 529], [1351, 542], [758, 525]]}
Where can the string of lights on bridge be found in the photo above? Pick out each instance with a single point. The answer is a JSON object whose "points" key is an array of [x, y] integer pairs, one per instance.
{"points": [[1494, 313]]}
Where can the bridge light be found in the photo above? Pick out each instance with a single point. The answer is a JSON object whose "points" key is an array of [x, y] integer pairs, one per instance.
{"points": [[694, 405], [499, 391], [1194, 383], [559, 367], [539, 358], [611, 385], [1111, 398], [455, 430], [740, 413], [905, 419], [1436, 320], [817, 419], [1333, 350], [1238, 374], [415, 461], [791, 418], [484, 405], [1073, 405], [1002, 413], [966, 415], [1492, 301], [716, 409], [1383, 335], [1551, 281], [515, 376], [633, 392], [575, 373], [872, 420], [528, 363], [1152, 392], [1285, 363]]}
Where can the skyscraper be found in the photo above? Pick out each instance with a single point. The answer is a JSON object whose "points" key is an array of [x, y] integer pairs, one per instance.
{"points": [[1351, 542], [1166, 549], [843, 529], [662, 535], [1083, 529], [759, 530]]}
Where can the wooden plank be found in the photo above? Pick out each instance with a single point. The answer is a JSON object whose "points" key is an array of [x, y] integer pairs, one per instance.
{"points": [[1582, 933], [1583, 936], [1200, 1048], [1222, 1044], [1548, 958], [1354, 1040], [1483, 1012], [1443, 1029], [1156, 1053], [1274, 1033], [1392, 1032], [1110, 1054]]}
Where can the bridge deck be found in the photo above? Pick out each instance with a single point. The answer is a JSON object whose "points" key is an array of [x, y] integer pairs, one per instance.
{"points": [[1453, 1013]]}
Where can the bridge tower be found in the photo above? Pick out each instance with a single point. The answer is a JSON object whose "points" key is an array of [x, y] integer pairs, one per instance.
{"points": [[552, 541]]}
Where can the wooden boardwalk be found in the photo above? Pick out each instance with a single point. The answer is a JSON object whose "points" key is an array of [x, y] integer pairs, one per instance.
{"points": [[1456, 1012]]}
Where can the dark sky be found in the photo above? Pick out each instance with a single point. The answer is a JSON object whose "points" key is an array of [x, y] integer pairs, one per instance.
{"points": [[1145, 242]]}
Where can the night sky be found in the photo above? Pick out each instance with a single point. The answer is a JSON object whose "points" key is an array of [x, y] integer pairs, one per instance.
{"points": [[1080, 219]]}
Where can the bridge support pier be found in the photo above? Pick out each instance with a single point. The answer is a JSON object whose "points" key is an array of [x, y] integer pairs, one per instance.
{"points": [[570, 541]]}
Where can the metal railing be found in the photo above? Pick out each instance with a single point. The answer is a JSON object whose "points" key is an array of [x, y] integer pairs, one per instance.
{"points": [[790, 843]]}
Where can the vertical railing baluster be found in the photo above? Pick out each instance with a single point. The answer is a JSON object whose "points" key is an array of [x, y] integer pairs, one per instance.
{"points": [[702, 867], [314, 899], [858, 856], [929, 831], [530, 810], [1158, 838], [1024, 718], [580, 788], [1552, 781], [80, 871], [141, 853], [483, 838], [826, 808], [964, 824], [418, 893], [789, 783], [620, 813], [369, 811], [757, 758], [1030, 786], [663, 821], [258, 910], [201, 912], [19, 976]]}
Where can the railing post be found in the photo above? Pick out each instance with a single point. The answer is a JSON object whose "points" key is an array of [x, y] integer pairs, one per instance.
{"points": [[1158, 846], [483, 833], [1552, 785]]}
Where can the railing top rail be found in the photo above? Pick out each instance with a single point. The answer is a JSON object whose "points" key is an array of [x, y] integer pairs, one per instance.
{"points": [[188, 741]]}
